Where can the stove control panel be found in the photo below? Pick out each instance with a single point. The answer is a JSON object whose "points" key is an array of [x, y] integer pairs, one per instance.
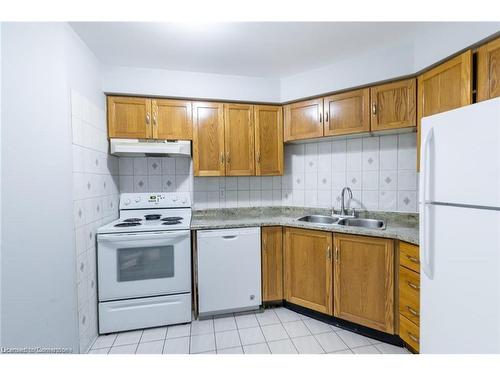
{"points": [[154, 200]]}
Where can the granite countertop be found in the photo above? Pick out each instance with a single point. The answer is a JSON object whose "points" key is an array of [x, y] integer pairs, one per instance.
{"points": [[400, 226]]}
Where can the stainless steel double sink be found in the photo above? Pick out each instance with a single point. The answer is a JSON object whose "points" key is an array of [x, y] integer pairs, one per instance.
{"points": [[344, 221]]}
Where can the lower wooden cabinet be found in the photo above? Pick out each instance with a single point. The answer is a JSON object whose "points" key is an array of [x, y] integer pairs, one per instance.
{"points": [[409, 294], [308, 269], [364, 281], [272, 263]]}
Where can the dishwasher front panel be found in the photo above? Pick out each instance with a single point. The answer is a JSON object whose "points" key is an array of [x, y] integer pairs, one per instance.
{"points": [[229, 270]]}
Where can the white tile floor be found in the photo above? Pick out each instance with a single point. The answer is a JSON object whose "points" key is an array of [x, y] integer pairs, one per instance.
{"points": [[275, 330]]}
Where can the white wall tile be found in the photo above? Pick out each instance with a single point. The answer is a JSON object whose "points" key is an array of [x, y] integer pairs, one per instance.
{"points": [[407, 180], [388, 152], [407, 151], [354, 147], [388, 201]]}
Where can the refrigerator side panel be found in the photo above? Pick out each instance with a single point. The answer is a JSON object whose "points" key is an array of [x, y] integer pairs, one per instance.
{"points": [[460, 304], [463, 155]]}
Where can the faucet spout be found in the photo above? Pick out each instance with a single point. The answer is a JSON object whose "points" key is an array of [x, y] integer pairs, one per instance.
{"points": [[343, 210]]}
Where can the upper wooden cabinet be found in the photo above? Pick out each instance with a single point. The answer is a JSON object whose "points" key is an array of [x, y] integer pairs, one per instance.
{"points": [[347, 113], [488, 70], [304, 120], [208, 139], [308, 269], [172, 119], [364, 281], [268, 140], [445, 87], [239, 135], [394, 105], [129, 117], [272, 263]]}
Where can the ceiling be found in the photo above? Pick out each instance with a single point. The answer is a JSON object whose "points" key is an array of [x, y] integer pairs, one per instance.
{"points": [[260, 49]]}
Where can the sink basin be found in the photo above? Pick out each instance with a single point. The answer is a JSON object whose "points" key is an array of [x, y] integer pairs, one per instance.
{"points": [[319, 219], [364, 223]]}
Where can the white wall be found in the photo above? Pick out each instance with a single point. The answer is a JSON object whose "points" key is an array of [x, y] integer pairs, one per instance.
{"points": [[438, 41], [95, 176], [160, 82], [38, 263], [0, 184], [368, 67]]}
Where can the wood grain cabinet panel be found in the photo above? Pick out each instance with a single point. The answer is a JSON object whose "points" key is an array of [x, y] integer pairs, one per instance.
{"points": [[172, 119], [304, 120], [268, 140], [347, 113], [488, 70], [409, 256], [208, 139], [129, 117], [239, 135], [409, 294], [272, 263], [410, 333], [364, 281], [394, 105], [445, 87], [308, 269]]}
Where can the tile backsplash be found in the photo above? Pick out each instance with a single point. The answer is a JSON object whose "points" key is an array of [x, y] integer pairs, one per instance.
{"points": [[380, 170], [95, 202]]}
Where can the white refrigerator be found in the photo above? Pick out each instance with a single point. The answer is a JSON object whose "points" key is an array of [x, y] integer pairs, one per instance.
{"points": [[460, 230]]}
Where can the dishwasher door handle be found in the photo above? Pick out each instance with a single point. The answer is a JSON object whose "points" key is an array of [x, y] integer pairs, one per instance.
{"points": [[232, 237]]}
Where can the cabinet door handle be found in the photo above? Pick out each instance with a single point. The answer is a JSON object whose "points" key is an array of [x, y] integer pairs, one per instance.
{"points": [[258, 158], [329, 253], [147, 118], [336, 254], [413, 337], [320, 117], [413, 286], [413, 259], [154, 119], [228, 159], [326, 116], [222, 158], [374, 108], [412, 311], [263, 245]]}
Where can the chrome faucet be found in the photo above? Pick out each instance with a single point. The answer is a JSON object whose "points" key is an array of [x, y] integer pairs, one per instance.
{"points": [[343, 211]]}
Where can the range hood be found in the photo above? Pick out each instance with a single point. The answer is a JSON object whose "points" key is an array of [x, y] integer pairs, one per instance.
{"points": [[139, 147]]}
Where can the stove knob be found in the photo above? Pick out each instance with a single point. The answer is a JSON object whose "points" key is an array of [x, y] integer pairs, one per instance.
{"points": [[184, 200], [126, 202], [174, 199], [137, 200]]}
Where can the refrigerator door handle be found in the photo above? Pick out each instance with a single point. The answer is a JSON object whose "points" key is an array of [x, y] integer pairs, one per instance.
{"points": [[426, 257]]}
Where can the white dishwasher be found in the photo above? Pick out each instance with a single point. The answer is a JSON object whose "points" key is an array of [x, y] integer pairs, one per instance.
{"points": [[229, 270]]}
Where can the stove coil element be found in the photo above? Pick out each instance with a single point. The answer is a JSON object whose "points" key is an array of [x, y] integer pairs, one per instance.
{"points": [[127, 224]]}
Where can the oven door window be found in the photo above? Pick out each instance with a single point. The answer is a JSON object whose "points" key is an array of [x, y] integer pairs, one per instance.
{"points": [[145, 263]]}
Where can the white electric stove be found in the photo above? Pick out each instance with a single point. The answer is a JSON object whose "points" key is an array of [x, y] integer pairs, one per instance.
{"points": [[144, 263]]}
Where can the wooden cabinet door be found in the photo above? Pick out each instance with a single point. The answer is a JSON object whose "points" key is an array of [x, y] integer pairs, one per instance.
{"points": [[308, 269], [304, 120], [347, 113], [129, 117], [172, 119], [364, 281], [394, 105], [488, 70], [208, 139], [272, 263], [445, 87], [268, 140], [239, 135]]}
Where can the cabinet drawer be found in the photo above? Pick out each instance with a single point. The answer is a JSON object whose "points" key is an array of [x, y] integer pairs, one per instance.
{"points": [[409, 294], [409, 256], [409, 333]]}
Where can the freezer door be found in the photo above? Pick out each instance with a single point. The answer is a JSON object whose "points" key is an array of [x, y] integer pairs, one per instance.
{"points": [[460, 155], [460, 298]]}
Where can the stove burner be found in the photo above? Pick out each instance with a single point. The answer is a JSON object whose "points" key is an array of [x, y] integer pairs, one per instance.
{"points": [[132, 220], [152, 216], [171, 222], [127, 224], [172, 218]]}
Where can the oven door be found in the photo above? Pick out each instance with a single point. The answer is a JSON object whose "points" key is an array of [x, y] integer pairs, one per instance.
{"points": [[132, 265]]}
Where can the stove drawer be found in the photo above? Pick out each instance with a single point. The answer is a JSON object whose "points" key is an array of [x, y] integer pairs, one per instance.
{"points": [[139, 313]]}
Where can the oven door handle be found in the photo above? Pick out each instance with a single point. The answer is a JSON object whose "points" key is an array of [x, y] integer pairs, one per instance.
{"points": [[123, 237]]}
